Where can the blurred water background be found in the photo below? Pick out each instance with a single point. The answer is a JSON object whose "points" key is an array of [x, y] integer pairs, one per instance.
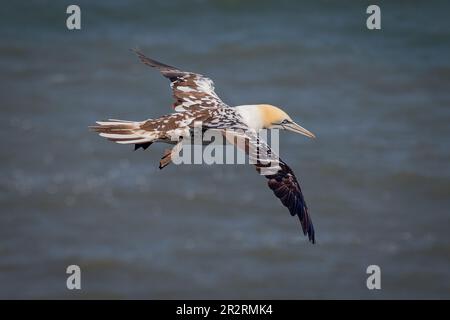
{"points": [[376, 179]]}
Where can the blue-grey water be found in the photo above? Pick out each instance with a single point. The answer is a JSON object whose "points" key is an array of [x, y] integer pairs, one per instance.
{"points": [[377, 178]]}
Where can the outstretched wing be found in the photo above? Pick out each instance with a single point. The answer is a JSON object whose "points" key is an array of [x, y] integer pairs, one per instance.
{"points": [[190, 90], [285, 186], [281, 178]]}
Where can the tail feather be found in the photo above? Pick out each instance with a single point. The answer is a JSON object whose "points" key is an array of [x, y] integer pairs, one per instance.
{"points": [[124, 132], [116, 120], [144, 146]]}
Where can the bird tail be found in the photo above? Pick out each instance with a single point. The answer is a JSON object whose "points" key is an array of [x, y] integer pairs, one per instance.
{"points": [[125, 132]]}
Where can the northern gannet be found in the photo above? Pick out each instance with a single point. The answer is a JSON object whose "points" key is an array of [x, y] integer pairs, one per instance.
{"points": [[195, 100]]}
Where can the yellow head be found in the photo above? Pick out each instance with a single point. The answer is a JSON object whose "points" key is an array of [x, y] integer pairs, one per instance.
{"points": [[266, 116]]}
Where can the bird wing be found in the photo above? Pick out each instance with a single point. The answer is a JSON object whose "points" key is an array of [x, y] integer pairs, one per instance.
{"points": [[190, 90], [281, 179]]}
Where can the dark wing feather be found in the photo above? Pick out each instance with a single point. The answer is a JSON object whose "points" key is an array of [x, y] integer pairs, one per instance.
{"points": [[281, 178], [285, 186], [190, 90]]}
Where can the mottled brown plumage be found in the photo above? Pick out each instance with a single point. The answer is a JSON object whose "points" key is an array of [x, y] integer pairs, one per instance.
{"points": [[196, 101]]}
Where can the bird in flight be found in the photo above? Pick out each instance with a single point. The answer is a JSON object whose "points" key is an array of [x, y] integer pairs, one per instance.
{"points": [[195, 100]]}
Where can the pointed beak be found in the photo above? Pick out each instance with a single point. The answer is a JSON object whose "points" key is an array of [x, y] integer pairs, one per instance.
{"points": [[292, 126]]}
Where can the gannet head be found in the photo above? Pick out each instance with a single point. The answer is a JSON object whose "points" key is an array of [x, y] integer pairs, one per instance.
{"points": [[266, 116]]}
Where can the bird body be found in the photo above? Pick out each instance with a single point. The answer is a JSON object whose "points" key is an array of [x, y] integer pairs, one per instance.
{"points": [[196, 102]]}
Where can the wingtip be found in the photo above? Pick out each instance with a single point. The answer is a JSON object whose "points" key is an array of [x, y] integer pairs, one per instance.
{"points": [[308, 230], [139, 54], [312, 235], [152, 62], [306, 223], [136, 50]]}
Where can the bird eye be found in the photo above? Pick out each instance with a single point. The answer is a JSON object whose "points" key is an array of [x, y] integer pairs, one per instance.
{"points": [[285, 121]]}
